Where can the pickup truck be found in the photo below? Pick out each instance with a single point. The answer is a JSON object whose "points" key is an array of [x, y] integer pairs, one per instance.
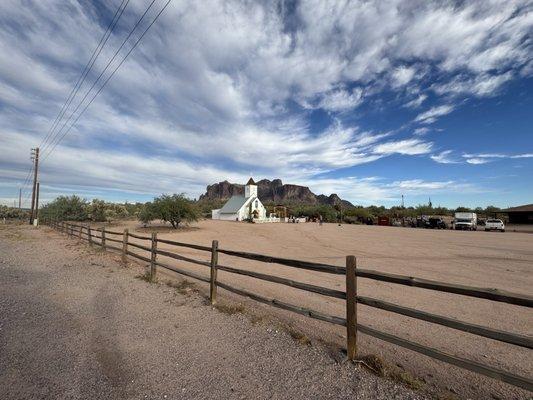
{"points": [[494, 225]]}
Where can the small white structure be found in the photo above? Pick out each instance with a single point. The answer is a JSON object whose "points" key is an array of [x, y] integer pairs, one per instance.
{"points": [[239, 208]]}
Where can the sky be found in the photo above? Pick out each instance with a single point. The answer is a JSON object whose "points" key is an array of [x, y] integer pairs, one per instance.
{"points": [[371, 100]]}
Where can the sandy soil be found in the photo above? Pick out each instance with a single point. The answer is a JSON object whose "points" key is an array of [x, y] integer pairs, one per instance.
{"points": [[76, 324], [486, 259]]}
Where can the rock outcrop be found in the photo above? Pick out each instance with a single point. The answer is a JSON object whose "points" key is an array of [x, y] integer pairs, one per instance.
{"points": [[273, 192]]}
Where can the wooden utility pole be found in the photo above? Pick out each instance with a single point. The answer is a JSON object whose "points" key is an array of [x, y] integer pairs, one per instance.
{"points": [[35, 157], [36, 216], [20, 198]]}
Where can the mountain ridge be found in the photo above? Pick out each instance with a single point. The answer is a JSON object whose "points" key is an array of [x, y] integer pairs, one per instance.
{"points": [[274, 191]]}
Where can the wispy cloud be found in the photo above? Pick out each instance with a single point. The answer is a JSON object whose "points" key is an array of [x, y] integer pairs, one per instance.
{"points": [[417, 101], [407, 146], [484, 158], [445, 157], [434, 113]]}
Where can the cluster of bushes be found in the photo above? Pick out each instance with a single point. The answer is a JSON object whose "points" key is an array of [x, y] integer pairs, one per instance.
{"points": [[362, 214], [173, 209], [13, 213], [176, 209], [74, 208]]}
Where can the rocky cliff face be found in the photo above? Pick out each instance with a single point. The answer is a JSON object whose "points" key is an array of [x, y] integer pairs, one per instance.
{"points": [[273, 192]]}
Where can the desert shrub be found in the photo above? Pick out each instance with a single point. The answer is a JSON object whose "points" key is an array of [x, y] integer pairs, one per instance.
{"points": [[147, 213], [175, 209], [13, 213], [96, 210], [68, 208]]}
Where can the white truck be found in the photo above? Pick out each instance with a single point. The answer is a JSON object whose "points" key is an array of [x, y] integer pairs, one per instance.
{"points": [[494, 224], [465, 221]]}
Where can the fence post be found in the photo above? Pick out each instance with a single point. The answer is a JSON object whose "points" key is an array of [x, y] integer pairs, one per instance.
{"points": [[103, 238], [213, 281], [124, 245], [153, 255], [89, 235], [351, 307]]}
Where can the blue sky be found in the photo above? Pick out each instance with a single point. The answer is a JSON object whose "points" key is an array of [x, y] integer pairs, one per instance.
{"points": [[369, 100]]}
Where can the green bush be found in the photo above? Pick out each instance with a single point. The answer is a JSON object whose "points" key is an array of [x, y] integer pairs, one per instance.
{"points": [[13, 213], [68, 208], [175, 209]]}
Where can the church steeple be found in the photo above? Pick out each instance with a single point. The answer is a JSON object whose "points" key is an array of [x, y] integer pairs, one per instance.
{"points": [[250, 190]]}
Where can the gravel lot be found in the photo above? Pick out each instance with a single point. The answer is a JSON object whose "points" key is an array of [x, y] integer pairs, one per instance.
{"points": [[76, 324]]}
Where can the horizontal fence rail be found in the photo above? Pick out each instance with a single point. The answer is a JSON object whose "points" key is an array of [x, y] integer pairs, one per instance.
{"points": [[100, 237], [483, 293]]}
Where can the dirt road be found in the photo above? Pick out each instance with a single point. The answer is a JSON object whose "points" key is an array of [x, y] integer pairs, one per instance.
{"points": [[76, 324]]}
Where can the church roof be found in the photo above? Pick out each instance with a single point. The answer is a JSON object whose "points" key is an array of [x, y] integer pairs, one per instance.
{"points": [[233, 205], [250, 181]]}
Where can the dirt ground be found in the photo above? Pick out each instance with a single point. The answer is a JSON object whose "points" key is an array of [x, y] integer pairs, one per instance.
{"points": [[485, 259], [76, 324]]}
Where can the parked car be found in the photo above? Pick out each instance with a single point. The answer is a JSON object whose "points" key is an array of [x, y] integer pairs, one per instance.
{"points": [[494, 225], [436, 223]]}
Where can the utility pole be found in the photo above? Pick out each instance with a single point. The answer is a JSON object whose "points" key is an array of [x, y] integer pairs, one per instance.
{"points": [[20, 198], [36, 217], [35, 158]]}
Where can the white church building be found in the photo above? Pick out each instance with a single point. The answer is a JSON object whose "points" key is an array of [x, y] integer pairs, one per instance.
{"points": [[239, 208]]}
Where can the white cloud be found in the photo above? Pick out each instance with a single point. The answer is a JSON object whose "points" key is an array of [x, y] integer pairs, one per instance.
{"points": [[369, 190], [433, 113], [341, 100], [483, 85], [444, 157], [402, 75], [407, 146], [416, 102], [527, 155], [419, 184], [484, 158], [477, 161], [421, 131]]}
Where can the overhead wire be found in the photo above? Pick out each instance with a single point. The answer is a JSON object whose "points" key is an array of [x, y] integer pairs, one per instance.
{"points": [[88, 66], [50, 150]]}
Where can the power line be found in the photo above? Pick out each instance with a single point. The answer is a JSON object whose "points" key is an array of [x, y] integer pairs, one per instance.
{"points": [[114, 71], [26, 180], [58, 133], [86, 70]]}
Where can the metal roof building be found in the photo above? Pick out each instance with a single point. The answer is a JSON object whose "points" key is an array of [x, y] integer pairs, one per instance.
{"points": [[520, 214]]}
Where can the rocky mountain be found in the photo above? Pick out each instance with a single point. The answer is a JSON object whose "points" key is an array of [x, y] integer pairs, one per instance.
{"points": [[274, 191]]}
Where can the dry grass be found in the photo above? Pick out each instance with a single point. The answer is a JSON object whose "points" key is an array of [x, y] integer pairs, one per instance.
{"points": [[146, 277], [297, 335], [230, 309], [381, 368], [183, 287]]}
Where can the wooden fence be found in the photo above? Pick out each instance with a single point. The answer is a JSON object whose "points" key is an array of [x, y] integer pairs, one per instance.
{"points": [[102, 237]]}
